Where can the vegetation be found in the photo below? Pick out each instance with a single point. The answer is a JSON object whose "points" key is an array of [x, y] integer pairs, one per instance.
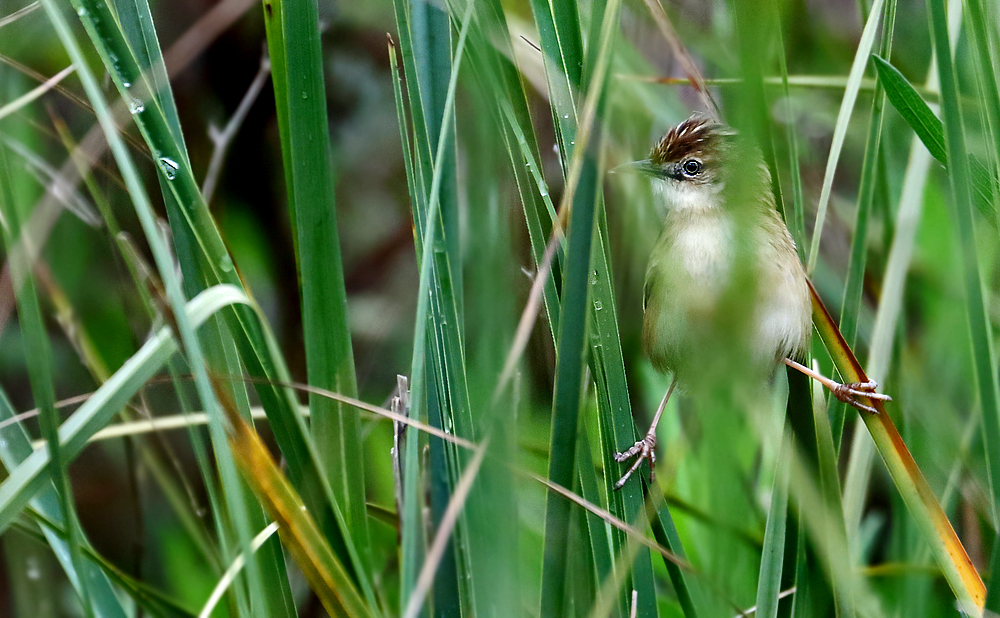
{"points": [[353, 327]]}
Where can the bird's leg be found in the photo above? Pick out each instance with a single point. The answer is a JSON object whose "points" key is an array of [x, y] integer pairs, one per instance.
{"points": [[646, 447], [844, 392]]}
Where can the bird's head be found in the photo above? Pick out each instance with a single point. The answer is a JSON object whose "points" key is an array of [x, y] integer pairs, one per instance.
{"points": [[689, 163]]}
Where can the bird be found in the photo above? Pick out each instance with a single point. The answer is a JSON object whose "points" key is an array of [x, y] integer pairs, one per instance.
{"points": [[725, 292]]}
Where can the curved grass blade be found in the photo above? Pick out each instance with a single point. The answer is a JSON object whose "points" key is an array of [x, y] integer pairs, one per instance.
{"points": [[147, 597], [912, 108], [909, 480], [27, 479], [135, 86], [205, 261], [15, 447]]}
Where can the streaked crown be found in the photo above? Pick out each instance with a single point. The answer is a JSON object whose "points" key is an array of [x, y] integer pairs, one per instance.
{"points": [[696, 137]]}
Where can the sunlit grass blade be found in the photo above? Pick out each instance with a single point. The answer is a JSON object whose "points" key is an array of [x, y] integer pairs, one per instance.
{"points": [[909, 480], [298, 530]]}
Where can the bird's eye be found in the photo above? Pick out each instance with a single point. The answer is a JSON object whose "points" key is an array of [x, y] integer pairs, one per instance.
{"points": [[692, 167]]}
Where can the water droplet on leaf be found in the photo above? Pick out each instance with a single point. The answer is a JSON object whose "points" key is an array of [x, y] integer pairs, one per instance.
{"points": [[169, 167]]}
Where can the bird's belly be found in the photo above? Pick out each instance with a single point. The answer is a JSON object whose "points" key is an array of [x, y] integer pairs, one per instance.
{"points": [[694, 310], [686, 280]]}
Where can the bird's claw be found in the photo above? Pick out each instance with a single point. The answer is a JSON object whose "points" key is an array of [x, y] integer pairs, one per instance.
{"points": [[642, 450], [848, 392]]}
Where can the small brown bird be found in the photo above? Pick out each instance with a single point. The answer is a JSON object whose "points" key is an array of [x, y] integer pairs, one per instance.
{"points": [[725, 290]]}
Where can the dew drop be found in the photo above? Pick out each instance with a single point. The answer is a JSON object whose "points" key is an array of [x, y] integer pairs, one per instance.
{"points": [[305, 95], [82, 12], [169, 167], [226, 264], [597, 305], [34, 572], [127, 84], [593, 278], [565, 116], [135, 106]]}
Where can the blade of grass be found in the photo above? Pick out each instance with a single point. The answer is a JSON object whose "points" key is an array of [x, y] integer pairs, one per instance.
{"points": [[851, 304], [145, 596], [205, 260], [448, 521], [582, 192], [301, 536], [840, 128], [850, 308], [130, 78], [15, 447], [30, 476], [772, 557], [980, 331], [329, 355], [38, 356], [983, 22], [930, 130], [923, 506], [442, 316], [566, 399]]}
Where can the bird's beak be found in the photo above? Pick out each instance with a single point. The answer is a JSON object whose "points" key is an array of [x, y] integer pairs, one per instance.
{"points": [[645, 167]]}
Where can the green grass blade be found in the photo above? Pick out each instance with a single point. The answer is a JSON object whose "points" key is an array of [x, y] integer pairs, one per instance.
{"points": [[38, 355], [15, 447], [912, 108], [30, 476], [569, 378], [772, 557], [329, 355], [843, 119], [851, 304], [980, 331], [202, 253], [438, 313], [930, 130], [909, 480]]}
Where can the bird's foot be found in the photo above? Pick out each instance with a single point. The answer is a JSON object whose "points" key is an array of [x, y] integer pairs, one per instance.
{"points": [[642, 450], [848, 393]]}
